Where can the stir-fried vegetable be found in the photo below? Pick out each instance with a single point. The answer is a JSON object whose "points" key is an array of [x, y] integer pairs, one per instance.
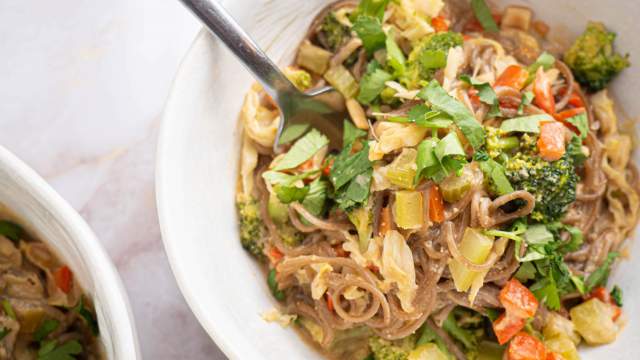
{"points": [[593, 320], [593, 59], [526, 347], [408, 209], [476, 247], [514, 76], [518, 300]]}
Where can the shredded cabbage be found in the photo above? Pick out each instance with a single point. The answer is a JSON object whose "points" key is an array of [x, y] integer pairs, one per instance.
{"points": [[260, 123], [397, 267], [320, 282], [393, 136], [275, 315]]}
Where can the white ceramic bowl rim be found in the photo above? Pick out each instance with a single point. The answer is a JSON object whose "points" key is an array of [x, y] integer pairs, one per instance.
{"points": [[115, 318]]}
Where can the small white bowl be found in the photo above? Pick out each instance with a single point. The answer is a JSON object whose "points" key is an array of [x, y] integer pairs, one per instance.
{"points": [[44, 214], [197, 170]]}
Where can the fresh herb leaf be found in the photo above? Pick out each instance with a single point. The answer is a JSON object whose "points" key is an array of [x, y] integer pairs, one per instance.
{"points": [[546, 291], [351, 177], [462, 117], [422, 116], [292, 132], [375, 8], [601, 274], [316, 198], [87, 316], [276, 177], [47, 327], [395, 57], [350, 133], [526, 124], [486, 94], [437, 158], [4, 332], [527, 98], [538, 234], [526, 272], [347, 166], [290, 193], [50, 351], [545, 60], [581, 123], [273, 285], [484, 16], [8, 309], [372, 83], [303, 150], [11, 230], [369, 30], [616, 295]]}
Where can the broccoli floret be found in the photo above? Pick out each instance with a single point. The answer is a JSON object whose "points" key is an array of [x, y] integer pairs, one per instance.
{"points": [[251, 226], [553, 184], [498, 143], [592, 58], [429, 56], [392, 350], [333, 33]]}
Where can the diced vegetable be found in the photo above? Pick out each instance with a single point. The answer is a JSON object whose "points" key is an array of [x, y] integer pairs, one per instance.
{"points": [[341, 79], [300, 78], [64, 279], [357, 114], [514, 76], [551, 141], [526, 347], [436, 205], [455, 187], [476, 247], [543, 93], [518, 300], [408, 209], [559, 326], [593, 320], [428, 351], [313, 58], [439, 23], [507, 326], [563, 346], [517, 17], [402, 171]]}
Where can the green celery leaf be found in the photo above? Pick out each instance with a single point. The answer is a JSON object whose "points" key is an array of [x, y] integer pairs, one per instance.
{"points": [[527, 98], [538, 234], [316, 198], [350, 133], [11, 230], [484, 16], [375, 8], [496, 174], [356, 192], [62, 352], [616, 295], [347, 166], [276, 177], [462, 335], [601, 274], [526, 124], [462, 117], [369, 30], [303, 150], [46, 327], [395, 57], [87, 316], [290, 193], [545, 60], [581, 123], [372, 83]]}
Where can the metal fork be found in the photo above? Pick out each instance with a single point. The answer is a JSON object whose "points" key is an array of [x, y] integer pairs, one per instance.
{"points": [[299, 111]]}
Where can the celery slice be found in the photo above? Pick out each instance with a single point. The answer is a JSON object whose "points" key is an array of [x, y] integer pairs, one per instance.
{"points": [[341, 79], [402, 171], [408, 209], [475, 247], [455, 187], [313, 58]]}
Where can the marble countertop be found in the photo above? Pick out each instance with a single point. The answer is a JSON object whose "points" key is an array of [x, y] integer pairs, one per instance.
{"points": [[83, 84]]}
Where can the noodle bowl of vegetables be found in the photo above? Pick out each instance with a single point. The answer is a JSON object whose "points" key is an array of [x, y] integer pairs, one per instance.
{"points": [[481, 205]]}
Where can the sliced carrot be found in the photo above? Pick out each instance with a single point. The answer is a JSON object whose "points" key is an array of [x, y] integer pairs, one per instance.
{"points": [[514, 76], [307, 165], [507, 326], [436, 205], [603, 295], [569, 113], [385, 221], [329, 302], [439, 23], [526, 347], [275, 255], [473, 97], [554, 356], [518, 300], [543, 94], [551, 141], [64, 279]]}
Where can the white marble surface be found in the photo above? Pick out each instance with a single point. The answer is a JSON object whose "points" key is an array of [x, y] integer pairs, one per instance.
{"points": [[82, 87]]}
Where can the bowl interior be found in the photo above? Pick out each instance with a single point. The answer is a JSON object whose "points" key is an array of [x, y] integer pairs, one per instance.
{"points": [[197, 164], [30, 201]]}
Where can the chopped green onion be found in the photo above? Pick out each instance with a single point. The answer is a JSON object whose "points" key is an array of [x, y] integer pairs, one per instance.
{"points": [[484, 16]]}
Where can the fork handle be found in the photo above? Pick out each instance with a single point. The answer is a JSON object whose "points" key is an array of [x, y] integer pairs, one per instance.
{"points": [[220, 23]]}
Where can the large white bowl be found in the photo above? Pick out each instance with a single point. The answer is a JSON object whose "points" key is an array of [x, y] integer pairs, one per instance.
{"points": [[43, 213], [197, 164]]}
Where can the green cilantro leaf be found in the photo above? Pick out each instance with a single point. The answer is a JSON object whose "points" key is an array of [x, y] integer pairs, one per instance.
{"points": [[369, 30], [601, 274], [372, 83], [47, 327], [50, 350]]}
